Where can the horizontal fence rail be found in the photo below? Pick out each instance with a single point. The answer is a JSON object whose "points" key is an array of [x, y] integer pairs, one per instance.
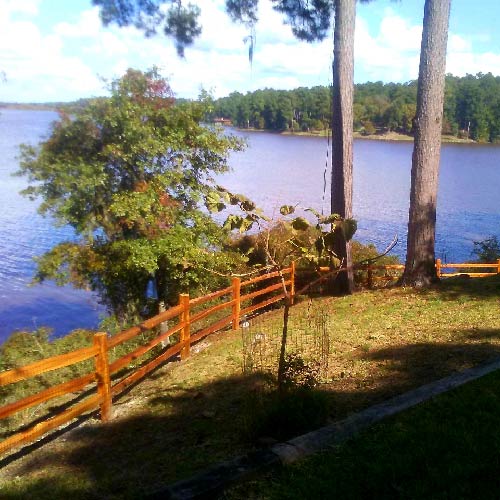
{"points": [[467, 269], [188, 322]]}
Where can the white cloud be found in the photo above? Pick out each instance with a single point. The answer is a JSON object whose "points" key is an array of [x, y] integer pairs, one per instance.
{"points": [[287, 82], [462, 59], [87, 26], [35, 65], [461, 63], [456, 43], [218, 60], [66, 63], [397, 33], [29, 7], [392, 54]]}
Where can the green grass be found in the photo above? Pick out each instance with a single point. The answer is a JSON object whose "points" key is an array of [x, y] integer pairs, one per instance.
{"points": [[188, 415], [446, 448]]}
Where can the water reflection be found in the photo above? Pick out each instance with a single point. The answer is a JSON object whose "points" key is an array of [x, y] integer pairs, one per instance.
{"points": [[278, 169]]}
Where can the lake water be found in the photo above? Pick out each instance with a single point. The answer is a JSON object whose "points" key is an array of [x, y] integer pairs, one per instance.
{"points": [[25, 234], [278, 169], [274, 170]]}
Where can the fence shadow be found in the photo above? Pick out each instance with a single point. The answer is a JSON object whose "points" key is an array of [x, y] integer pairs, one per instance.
{"points": [[425, 362], [170, 433]]}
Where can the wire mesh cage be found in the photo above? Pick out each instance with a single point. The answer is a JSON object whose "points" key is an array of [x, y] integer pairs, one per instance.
{"points": [[308, 339]]}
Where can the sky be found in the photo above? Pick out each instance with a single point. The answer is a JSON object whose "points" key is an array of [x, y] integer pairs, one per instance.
{"points": [[58, 50]]}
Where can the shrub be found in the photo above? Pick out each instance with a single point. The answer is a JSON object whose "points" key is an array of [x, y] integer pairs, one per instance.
{"points": [[368, 128], [298, 373], [487, 250]]}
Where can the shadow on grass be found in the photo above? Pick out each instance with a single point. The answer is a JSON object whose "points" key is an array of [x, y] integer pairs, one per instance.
{"points": [[466, 287], [175, 431], [444, 448], [417, 364], [398, 369]]}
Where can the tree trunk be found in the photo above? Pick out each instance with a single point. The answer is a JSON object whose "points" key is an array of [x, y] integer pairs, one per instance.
{"points": [[284, 341], [342, 125], [420, 255]]}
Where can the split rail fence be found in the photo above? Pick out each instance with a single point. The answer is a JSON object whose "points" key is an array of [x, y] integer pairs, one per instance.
{"points": [[390, 270], [104, 382], [108, 380], [467, 269]]}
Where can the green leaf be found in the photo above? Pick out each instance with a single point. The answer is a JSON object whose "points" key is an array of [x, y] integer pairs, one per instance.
{"points": [[348, 227], [320, 244], [247, 205], [330, 219], [234, 222], [287, 209], [300, 224], [315, 212], [215, 207], [329, 239]]}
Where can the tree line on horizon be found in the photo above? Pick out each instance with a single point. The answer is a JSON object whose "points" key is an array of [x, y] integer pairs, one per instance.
{"points": [[471, 108]]}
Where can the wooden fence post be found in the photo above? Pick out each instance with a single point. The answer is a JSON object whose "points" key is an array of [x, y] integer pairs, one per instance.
{"points": [[236, 283], [370, 276], [102, 375], [186, 330], [292, 282], [498, 266], [438, 268]]}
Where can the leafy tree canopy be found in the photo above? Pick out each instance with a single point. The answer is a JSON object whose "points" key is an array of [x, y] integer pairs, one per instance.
{"points": [[131, 174], [175, 19], [471, 108], [179, 20], [487, 250]]}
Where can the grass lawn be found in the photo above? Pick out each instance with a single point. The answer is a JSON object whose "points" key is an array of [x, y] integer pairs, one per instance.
{"points": [[446, 448], [188, 415]]}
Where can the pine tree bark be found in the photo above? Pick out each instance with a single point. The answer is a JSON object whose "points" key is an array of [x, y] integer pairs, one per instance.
{"points": [[420, 254], [342, 131]]}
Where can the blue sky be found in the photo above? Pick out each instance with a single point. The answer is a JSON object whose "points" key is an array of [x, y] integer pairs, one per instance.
{"points": [[57, 50]]}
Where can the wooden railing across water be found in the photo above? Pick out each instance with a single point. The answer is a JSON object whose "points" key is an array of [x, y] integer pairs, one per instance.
{"points": [[104, 382]]}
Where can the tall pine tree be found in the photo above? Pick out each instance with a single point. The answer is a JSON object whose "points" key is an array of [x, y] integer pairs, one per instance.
{"points": [[420, 255]]}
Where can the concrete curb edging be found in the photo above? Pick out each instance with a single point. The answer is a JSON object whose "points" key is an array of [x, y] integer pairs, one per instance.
{"points": [[212, 481]]}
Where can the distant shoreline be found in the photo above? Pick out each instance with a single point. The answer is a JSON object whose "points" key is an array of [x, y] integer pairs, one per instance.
{"points": [[29, 106], [394, 136], [386, 136]]}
